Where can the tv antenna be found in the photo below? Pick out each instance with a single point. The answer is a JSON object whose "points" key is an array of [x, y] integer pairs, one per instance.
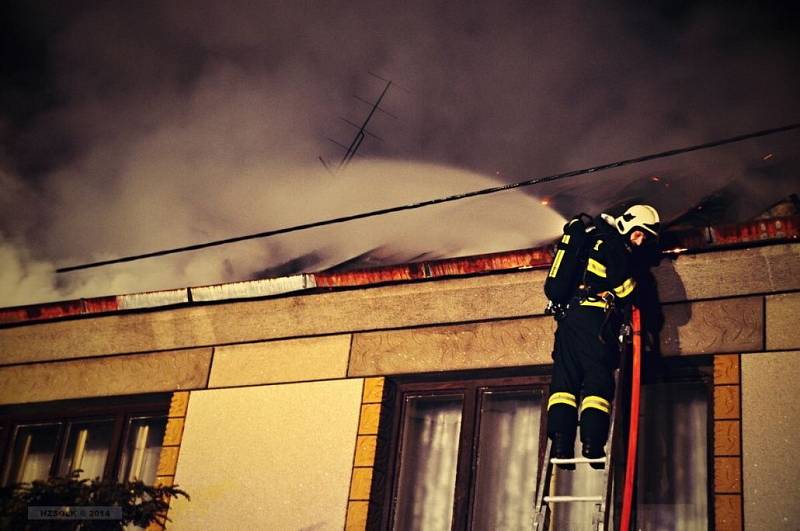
{"points": [[361, 130]]}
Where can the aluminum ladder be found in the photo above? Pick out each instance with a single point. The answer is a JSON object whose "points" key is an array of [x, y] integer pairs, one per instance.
{"points": [[602, 501]]}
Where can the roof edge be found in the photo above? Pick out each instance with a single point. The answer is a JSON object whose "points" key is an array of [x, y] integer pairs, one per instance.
{"points": [[763, 231]]}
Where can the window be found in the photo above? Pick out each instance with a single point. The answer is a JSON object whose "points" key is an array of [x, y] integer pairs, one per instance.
{"points": [[142, 448], [673, 466], [88, 443], [465, 455], [110, 437], [672, 477], [34, 447]]}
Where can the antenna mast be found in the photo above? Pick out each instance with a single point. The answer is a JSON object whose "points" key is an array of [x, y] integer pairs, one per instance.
{"points": [[361, 130]]}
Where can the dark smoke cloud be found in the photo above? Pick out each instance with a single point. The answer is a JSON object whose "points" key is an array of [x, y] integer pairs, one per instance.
{"points": [[132, 126]]}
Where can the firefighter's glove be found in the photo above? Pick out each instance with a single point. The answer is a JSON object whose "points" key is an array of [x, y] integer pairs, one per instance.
{"points": [[557, 310]]}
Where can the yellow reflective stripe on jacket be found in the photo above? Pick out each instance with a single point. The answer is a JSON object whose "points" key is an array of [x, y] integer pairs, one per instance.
{"points": [[596, 304], [565, 239], [596, 267], [562, 398], [625, 289], [596, 402], [556, 263]]}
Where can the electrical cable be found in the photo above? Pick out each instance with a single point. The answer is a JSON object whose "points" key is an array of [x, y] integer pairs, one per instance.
{"points": [[430, 202]]}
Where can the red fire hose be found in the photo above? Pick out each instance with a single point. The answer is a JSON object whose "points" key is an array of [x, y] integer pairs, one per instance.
{"points": [[633, 432]]}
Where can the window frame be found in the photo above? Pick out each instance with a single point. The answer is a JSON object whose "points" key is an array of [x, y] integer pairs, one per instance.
{"points": [[691, 369], [118, 408], [698, 369], [471, 386]]}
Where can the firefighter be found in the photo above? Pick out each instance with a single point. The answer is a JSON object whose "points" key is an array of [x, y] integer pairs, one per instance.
{"points": [[586, 347]]}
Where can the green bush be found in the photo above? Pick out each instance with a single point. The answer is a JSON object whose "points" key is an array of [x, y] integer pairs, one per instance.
{"points": [[141, 504]]}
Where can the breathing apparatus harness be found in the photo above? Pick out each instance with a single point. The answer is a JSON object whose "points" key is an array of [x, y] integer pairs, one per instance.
{"points": [[569, 264]]}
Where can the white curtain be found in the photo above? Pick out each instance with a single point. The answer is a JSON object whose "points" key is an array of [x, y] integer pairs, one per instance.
{"points": [[672, 468], [87, 448], [94, 461], [34, 449], [428, 464], [506, 471], [143, 449], [36, 463], [508, 461]]}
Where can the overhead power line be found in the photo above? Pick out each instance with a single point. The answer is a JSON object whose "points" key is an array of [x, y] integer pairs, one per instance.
{"points": [[431, 202]]}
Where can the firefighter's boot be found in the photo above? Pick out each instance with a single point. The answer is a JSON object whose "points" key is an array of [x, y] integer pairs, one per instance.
{"points": [[564, 448], [594, 450]]}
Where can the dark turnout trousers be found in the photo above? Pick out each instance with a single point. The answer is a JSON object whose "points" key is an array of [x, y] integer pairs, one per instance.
{"points": [[583, 368]]}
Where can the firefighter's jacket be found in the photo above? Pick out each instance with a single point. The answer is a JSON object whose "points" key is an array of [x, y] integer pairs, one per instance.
{"points": [[608, 270], [585, 350]]}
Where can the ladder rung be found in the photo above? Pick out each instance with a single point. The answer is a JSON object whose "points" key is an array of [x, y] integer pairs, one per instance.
{"points": [[561, 461], [556, 499]]}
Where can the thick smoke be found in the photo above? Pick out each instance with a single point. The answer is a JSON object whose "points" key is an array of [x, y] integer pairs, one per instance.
{"points": [[291, 196], [172, 123]]}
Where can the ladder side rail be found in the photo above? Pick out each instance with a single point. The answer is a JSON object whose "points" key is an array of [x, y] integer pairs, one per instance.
{"points": [[602, 512], [541, 509]]}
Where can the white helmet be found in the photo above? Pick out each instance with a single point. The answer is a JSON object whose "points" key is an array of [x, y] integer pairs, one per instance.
{"points": [[642, 217]]}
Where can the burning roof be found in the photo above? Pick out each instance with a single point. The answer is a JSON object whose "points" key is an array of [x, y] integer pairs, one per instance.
{"points": [[757, 232]]}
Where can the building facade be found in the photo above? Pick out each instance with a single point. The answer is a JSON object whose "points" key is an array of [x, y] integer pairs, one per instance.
{"points": [[407, 398]]}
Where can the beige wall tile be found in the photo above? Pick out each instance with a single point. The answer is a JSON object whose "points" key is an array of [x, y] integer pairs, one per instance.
{"points": [[179, 403], [294, 442], [726, 402], [726, 369], [770, 439], [728, 512], [112, 334], [290, 360], [727, 475], [167, 481], [357, 512], [710, 327], [370, 419], [360, 484], [168, 460], [365, 450], [783, 321], [726, 437], [373, 390], [118, 375], [173, 433], [729, 273], [472, 346]]}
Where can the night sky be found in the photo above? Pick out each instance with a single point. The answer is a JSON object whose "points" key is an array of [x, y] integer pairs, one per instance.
{"points": [[126, 127]]}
